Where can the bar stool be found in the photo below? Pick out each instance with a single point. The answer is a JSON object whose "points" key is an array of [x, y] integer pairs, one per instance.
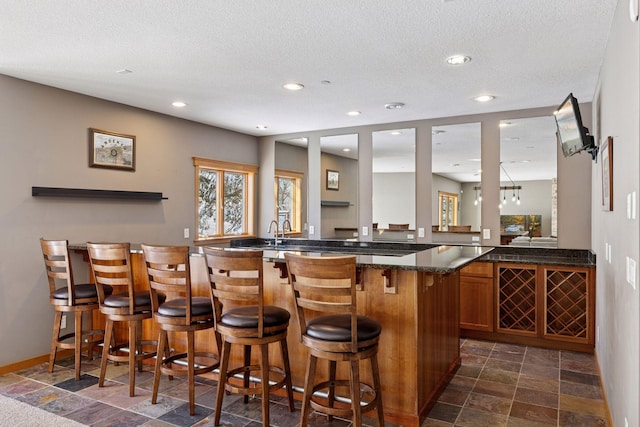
{"points": [[169, 272], [326, 286], [111, 266], [68, 298], [237, 285]]}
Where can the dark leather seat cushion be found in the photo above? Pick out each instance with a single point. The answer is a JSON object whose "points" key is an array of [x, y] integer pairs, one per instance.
{"points": [[200, 306], [338, 328], [247, 316], [82, 291], [140, 299]]}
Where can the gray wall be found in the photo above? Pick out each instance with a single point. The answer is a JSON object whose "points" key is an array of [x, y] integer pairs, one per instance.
{"points": [[616, 113], [393, 199], [45, 143], [340, 217]]}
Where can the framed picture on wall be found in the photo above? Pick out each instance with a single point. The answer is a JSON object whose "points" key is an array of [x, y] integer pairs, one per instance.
{"points": [[112, 150], [606, 160], [333, 180]]}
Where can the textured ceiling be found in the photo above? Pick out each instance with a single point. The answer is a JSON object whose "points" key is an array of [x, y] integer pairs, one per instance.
{"points": [[228, 60]]}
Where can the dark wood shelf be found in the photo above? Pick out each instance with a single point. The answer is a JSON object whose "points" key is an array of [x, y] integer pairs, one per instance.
{"points": [[334, 203], [95, 194]]}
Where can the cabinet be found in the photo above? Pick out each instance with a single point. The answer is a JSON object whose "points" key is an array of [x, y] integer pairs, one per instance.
{"points": [[542, 305], [476, 297]]}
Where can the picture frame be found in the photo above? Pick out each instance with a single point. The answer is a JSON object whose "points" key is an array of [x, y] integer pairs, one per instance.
{"points": [[112, 150], [606, 160], [333, 180]]}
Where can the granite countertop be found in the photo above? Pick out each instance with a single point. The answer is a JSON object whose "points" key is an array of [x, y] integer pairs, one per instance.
{"points": [[548, 256], [399, 256]]}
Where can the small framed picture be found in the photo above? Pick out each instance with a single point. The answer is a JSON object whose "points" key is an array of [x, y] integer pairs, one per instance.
{"points": [[112, 150], [333, 180]]}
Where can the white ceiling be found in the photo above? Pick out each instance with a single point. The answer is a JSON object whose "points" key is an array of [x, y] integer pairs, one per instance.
{"points": [[228, 60]]}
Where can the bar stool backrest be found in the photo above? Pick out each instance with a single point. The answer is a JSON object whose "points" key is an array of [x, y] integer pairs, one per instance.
{"points": [[326, 286], [59, 272]]}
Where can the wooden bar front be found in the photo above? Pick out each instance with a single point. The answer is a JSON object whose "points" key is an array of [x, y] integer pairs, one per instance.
{"points": [[419, 346]]}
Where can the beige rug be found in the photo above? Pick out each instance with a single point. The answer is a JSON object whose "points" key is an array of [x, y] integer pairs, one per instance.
{"points": [[14, 413]]}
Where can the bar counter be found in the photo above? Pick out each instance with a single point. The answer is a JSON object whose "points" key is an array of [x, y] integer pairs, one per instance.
{"points": [[411, 289]]}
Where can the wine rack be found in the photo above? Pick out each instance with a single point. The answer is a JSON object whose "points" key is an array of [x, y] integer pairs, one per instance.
{"points": [[566, 300], [517, 299]]}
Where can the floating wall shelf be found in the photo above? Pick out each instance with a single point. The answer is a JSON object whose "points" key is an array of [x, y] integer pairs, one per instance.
{"points": [[95, 194], [334, 203]]}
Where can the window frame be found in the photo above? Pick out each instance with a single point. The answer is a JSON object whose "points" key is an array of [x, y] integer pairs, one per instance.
{"points": [[297, 177], [454, 217], [250, 173]]}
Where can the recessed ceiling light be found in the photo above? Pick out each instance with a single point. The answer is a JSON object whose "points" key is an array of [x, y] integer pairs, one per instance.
{"points": [[325, 82], [124, 71], [504, 124], [484, 98], [394, 105], [458, 59], [437, 132], [475, 160], [353, 113], [346, 150], [395, 132], [293, 86], [454, 165], [261, 127], [179, 104]]}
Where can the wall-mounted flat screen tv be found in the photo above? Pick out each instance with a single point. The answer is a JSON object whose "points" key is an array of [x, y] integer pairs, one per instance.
{"points": [[572, 135]]}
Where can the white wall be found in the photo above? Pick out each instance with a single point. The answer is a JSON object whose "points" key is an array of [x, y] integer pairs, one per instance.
{"points": [[616, 113], [45, 143], [393, 199]]}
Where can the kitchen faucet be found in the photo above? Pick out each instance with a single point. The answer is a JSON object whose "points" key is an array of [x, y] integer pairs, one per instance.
{"points": [[275, 231], [285, 223]]}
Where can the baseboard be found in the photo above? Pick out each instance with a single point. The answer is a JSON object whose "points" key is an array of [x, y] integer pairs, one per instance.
{"points": [[28, 363], [602, 389]]}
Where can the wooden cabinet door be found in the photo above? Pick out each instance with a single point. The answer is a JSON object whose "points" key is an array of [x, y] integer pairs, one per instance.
{"points": [[476, 297]]}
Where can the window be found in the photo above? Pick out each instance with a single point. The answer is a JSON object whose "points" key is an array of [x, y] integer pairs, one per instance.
{"points": [[224, 198], [288, 202], [448, 208]]}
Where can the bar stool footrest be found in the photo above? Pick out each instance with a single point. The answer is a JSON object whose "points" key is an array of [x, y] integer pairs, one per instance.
{"points": [[345, 412], [238, 373], [180, 359]]}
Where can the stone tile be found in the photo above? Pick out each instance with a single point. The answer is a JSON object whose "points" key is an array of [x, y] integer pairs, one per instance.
{"points": [[57, 376], [163, 405], [66, 404], [453, 396], [537, 397], [21, 387], [93, 413], [579, 377], [470, 417], [538, 383], [519, 422], [540, 371], [485, 402], [571, 419], [124, 419], [475, 351], [100, 393], [230, 420], [445, 412], [470, 371], [580, 390], [505, 365], [180, 416], [495, 389], [499, 376], [72, 385], [540, 414], [32, 371], [43, 396], [583, 406], [478, 343], [181, 390], [586, 367], [577, 356], [472, 359], [462, 383], [9, 379], [546, 353], [435, 423], [124, 401], [507, 355], [158, 423], [510, 348], [542, 359]]}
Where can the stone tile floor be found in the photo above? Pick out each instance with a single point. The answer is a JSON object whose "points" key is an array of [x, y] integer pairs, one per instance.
{"points": [[497, 385]]}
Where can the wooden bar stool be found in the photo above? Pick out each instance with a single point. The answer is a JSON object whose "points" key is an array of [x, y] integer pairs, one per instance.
{"points": [[111, 267], [236, 285], [326, 286], [67, 297], [170, 273]]}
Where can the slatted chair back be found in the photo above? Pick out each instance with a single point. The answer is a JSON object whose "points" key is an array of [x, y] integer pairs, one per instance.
{"points": [[60, 273], [111, 266], [326, 286]]}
